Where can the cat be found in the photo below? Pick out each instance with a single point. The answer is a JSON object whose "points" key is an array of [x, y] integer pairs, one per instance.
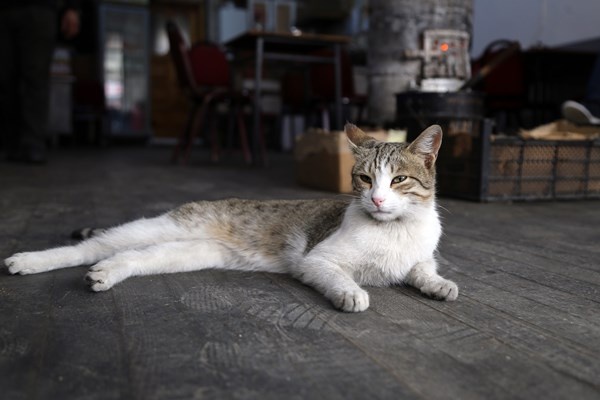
{"points": [[384, 235]]}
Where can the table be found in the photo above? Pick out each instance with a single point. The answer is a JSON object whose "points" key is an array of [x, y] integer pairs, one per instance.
{"points": [[288, 47]]}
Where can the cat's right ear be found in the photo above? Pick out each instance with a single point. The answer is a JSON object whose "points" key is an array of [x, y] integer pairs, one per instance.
{"points": [[356, 137], [427, 144]]}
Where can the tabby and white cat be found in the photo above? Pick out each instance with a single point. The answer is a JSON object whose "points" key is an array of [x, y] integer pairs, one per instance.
{"points": [[386, 235]]}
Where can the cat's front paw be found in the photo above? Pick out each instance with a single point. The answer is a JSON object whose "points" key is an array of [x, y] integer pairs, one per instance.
{"points": [[352, 300], [25, 263], [441, 289]]}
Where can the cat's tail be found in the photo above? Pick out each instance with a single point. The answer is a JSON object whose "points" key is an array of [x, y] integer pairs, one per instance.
{"points": [[86, 233]]}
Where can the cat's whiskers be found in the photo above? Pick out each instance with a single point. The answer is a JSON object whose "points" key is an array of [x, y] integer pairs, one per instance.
{"points": [[350, 195], [438, 205]]}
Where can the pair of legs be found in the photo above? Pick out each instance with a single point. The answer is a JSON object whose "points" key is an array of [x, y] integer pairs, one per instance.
{"points": [[586, 112], [345, 293], [143, 247], [27, 40]]}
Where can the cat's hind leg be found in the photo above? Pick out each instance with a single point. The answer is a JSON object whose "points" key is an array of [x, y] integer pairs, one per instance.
{"points": [[158, 259], [424, 277], [139, 233]]}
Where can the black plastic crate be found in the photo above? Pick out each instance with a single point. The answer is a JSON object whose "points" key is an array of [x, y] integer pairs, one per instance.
{"points": [[483, 168]]}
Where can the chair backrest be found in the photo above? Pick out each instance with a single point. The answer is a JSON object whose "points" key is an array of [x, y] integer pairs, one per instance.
{"points": [[210, 66], [178, 50], [204, 64], [507, 79], [322, 77]]}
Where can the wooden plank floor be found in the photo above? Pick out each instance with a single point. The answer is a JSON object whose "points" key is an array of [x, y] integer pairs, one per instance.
{"points": [[526, 324]]}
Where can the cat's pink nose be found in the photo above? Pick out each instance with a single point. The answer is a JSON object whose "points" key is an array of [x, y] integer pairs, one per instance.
{"points": [[378, 201]]}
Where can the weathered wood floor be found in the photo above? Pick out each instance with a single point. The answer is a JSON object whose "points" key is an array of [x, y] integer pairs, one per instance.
{"points": [[526, 325]]}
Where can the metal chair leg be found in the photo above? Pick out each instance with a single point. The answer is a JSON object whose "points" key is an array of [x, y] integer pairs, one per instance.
{"points": [[184, 137], [243, 135], [197, 124]]}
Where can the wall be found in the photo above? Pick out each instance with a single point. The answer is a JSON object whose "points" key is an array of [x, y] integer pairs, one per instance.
{"points": [[233, 21], [533, 22]]}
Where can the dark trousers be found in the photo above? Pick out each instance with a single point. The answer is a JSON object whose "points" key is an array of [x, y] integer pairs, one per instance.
{"points": [[593, 88], [27, 36]]}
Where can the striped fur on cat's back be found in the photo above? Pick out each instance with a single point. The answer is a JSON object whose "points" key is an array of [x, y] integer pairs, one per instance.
{"points": [[263, 234], [385, 235]]}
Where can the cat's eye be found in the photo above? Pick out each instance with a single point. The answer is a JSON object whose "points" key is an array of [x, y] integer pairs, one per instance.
{"points": [[365, 178], [398, 179]]}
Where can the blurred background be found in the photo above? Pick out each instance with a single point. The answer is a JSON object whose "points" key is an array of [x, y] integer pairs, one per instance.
{"points": [[115, 79], [256, 75]]}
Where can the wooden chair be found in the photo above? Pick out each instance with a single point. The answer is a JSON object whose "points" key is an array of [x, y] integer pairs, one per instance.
{"points": [[204, 75]]}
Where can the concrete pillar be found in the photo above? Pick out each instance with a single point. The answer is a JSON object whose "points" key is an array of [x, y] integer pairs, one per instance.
{"points": [[396, 26]]}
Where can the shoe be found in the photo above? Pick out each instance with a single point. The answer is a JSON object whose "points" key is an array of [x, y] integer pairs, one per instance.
{"points": [[578, 113]]}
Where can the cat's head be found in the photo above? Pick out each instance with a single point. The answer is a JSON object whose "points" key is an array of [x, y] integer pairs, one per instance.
{"points": [[394, 179]]}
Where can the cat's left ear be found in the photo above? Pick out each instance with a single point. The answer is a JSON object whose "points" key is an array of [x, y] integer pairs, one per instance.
{"points": [[428, 144], [356, 137]]}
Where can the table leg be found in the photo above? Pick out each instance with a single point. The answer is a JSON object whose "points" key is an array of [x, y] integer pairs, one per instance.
{"points": [[337, 122], [256, 139]]}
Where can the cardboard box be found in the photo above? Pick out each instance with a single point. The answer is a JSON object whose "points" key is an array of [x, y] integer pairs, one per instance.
{"points": [[562, 130], [323, 160]]}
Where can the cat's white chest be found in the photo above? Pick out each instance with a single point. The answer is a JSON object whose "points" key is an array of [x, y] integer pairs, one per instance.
{"points": [[382, 254]]}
